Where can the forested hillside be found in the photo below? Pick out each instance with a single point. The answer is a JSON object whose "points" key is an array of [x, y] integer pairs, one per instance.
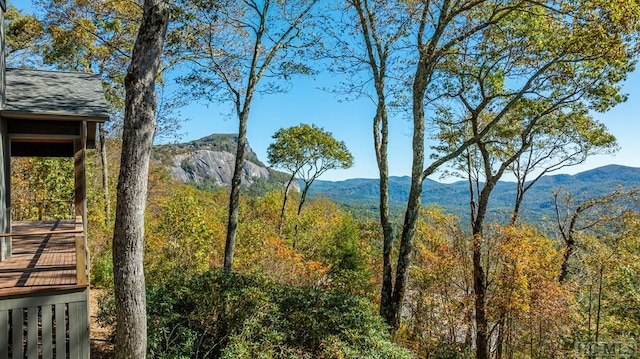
{"points": [[362, 195], [207, 164], [318, 270]]}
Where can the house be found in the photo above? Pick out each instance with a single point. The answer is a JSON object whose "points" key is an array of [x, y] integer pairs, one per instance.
{"points": [[44, 279]]}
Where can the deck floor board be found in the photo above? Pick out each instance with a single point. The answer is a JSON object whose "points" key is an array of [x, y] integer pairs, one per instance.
{"points": [[41, 261]]}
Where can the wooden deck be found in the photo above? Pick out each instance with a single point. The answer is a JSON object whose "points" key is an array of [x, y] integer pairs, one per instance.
{"points": [[41, 260]]}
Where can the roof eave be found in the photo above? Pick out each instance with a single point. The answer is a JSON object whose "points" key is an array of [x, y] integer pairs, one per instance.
{"points": [[21, 115]]}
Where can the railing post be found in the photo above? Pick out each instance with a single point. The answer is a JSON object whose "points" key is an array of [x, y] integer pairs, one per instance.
{"points": [[82, 274]]}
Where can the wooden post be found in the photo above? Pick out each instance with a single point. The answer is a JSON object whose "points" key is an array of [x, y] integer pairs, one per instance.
{"points": [[79, 178], [82, 275], [82, 254]]}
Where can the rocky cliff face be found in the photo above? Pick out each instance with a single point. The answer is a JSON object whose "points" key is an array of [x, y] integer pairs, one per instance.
{"points": [[210, 160], [216, 166]]}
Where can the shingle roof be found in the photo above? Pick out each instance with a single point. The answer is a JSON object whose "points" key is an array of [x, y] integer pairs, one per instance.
{"points": [[58, 94]]}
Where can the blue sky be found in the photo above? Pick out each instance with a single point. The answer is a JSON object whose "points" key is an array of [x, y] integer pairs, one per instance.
{"points": [[351, 122]]}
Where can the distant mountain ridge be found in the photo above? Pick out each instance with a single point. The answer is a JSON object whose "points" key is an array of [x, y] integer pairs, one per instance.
{"points": [[207, 163], [363, 194]]}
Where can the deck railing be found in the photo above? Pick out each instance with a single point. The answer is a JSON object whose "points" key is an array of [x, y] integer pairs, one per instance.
{"points": [[50, 321], [81, 246], [45, 325], [41, 210]]}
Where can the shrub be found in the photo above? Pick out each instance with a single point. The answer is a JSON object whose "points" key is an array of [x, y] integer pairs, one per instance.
{"points": [[221, 315], [102, 271]]}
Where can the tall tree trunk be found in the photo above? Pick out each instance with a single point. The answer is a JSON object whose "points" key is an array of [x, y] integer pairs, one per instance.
{"points": [[516, 207], [564, 267], [381, 138], [599, 304], [139, 126], [480, 280], [105, 174], [393, 310], [590, 310], [377, 60], [501, 337], [261, 57], [303, 198], [284, 202], [234, 196], [477, 227], [479, 274], [479, 287]]}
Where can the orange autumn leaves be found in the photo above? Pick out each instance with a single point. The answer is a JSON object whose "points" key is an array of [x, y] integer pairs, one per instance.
{"points": [[526, 305], [186, 231]]}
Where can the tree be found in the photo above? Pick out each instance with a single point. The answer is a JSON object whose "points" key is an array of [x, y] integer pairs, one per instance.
{"points": [[620, 303], [529, 310], [139, 126], [230, 48], [547, 107], [568, 144], [459, 33], [307, 151], [97, 37], [23, 34], [384, 27], [441, 309], [574, 216], [599, 257], [418, 36]]}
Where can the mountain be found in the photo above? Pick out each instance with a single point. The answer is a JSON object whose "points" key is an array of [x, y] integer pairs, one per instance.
{"points": [[362, 195], [208, 163]]}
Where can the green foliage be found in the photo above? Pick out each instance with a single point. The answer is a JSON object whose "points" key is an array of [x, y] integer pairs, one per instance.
{"points": [[22, 33], [184, 231], [607, 262], [42, 188], [308, 150], [222, 315], [102, 271], [450, 351], [92, 36], [347, 257]]}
